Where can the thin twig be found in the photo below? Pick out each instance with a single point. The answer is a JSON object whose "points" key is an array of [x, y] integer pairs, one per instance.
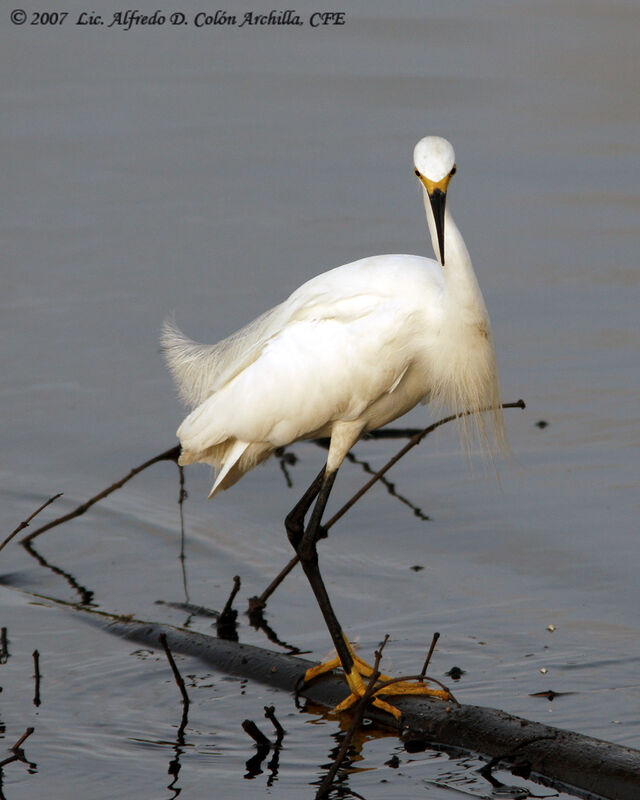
{"points": [[327, 782], [16, 750], [36, 666], [432, 647], [182, 496], [174, 669], [397, 433], [169, 455], [258, 603], [416, 439], [26, 522], [24, 736], [270, 714]]}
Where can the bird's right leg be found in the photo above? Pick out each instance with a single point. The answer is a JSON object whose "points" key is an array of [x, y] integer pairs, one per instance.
{"points": [[306, 549], [294, 522], [353, 667]]}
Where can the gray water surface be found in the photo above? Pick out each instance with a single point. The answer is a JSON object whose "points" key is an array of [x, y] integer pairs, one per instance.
{"points": [[208, 172]]}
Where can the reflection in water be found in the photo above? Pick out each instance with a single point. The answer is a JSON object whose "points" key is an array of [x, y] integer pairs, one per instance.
{"points": [[174, 771], [174, 764], [263, 746], [286, 459], [4, 647], [390, 487], [500, 789], [253, 765], [259, 623], [86, 595], [17, 754], [339, 783]]}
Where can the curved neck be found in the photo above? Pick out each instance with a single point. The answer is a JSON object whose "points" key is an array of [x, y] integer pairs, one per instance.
{"points": [[459, 276]]}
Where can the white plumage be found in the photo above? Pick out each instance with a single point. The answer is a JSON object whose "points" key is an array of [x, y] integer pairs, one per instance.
{"points": [[349, 351]]}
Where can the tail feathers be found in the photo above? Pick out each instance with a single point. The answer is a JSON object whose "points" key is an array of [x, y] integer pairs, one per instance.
{"points": [[192, 365], [231, 459]]}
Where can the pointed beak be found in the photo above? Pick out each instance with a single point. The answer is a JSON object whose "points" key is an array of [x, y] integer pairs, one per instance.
{"points": [[438, 200]]}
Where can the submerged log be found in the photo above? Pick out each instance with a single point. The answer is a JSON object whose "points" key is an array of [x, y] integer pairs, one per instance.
{"points": [[568, 761]]}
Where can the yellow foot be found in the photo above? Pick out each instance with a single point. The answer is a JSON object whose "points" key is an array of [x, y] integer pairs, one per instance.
{"points": [[358, 686]]}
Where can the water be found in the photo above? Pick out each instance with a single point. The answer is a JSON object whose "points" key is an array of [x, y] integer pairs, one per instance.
{"points": [[209, 172]]}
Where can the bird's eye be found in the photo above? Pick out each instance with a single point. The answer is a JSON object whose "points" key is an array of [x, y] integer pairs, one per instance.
{"points": [[417, 172], [454, 170]]}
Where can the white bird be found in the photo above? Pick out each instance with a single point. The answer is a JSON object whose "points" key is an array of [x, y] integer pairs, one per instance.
{"points": [[349, 351]]}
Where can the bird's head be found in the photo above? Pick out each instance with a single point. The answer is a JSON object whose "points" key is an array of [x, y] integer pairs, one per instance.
{"points": [[435, 162]]}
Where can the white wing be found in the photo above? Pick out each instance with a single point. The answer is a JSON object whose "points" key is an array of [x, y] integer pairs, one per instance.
{"points": [[337, 345]]}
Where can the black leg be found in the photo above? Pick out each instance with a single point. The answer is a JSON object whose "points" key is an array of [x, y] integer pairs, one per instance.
{"points": [[307, 546], [294, 522], [306, 550]]}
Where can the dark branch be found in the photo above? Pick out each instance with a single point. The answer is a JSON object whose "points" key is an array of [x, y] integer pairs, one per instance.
{"points": [[168, 455], [176, 673], [258, 603], [26, 522]]}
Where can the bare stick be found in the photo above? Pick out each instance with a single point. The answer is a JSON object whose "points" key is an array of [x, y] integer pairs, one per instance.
{"points": [[182, 496], [36, 665], [226, 622], [432, 647], [26, 522], [327, 782], [416, 439], [24, 736], [168, 455], [258, 603], [227, 610], [250, 727], [270, 714], [16, 749], [174, 669], [395, 433]]}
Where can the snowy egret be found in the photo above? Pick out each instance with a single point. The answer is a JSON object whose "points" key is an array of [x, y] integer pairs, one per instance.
{"points": [[349, 351]]}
